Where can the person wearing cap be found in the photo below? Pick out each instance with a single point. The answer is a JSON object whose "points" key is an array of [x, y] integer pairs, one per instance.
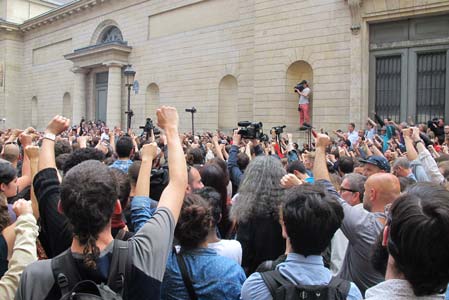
{"points": [[375, 164], [304, 100]]}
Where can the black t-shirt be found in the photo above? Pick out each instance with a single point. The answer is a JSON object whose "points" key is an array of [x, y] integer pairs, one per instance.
{"points": [[3, 256], [56, 234]]}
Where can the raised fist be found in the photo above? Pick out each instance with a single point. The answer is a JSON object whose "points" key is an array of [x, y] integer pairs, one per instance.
{"points": [[57, 125]]}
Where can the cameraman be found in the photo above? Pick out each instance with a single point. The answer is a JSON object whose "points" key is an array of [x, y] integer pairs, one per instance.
{"points": [[233, 167], [304, 100]]}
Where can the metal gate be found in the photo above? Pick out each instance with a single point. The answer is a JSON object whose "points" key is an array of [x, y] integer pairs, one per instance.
{"points": [[388, 87], [430, 86]]}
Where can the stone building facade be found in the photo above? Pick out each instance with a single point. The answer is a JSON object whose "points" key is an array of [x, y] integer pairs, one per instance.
{"points": [[231, 59]]}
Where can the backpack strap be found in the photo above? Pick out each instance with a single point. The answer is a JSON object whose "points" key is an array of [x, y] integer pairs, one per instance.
{"points": [[185, 275], [121, 267], [341, 285], [65, 272], [273, 280]]}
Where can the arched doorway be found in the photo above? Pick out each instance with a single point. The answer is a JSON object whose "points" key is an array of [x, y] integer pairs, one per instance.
{"points": [[227, 102], [67, 106], [34, 112], [152, 101], [296, 72]]}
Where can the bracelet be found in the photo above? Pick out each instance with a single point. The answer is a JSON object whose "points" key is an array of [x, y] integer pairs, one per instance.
{"points": [[417, 142]]}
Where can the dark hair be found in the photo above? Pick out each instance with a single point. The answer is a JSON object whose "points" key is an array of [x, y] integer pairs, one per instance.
{"points": [[133, 172], [222, 164], [80, 155], [7, 174], [346, 165], [212, 175], [88, 195], [419, 237], [61, 159], [352, 124], [123, 185], [195, 156], [62, 147], [296, 166], [124, 146], [194, 222], [311, 217], [214, 199], [242, 160]]}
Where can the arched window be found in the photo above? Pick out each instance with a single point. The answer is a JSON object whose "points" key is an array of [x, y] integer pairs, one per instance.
{"points": [[152, 101], [228, 102], [34, 112], [67, 106], [112, 34]]}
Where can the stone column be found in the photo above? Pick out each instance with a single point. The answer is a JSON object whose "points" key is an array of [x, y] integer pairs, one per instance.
{"points": [[79, 95], [114, 111]]}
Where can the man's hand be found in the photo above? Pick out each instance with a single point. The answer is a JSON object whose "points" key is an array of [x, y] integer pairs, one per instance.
{"points": [[149, 151], [322, 140], [290, 180], [167, 118], [57, 125], [25, 139], [415, 134], [236, 138], [30, 130], [32, 152], [407, 133], [22, 207]]}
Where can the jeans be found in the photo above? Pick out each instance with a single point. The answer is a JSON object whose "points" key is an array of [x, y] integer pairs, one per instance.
{"points": [[304, 116]]}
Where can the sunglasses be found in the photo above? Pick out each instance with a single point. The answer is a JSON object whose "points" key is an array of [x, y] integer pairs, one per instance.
{"points": [[342, 189]]}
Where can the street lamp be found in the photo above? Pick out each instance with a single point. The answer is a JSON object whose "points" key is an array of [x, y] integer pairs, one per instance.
{"points": [[129, 81]]}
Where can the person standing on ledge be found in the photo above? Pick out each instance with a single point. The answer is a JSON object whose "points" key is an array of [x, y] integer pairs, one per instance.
{"points": [[304, 100]]}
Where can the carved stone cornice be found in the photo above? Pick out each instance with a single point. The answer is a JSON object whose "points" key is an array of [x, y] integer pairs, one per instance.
{"points": [[99, 55], [356, 18], [68, 10]]}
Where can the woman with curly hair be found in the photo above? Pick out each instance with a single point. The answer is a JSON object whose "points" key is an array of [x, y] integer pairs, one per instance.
{"points": [[211, 276], [256, 212]]}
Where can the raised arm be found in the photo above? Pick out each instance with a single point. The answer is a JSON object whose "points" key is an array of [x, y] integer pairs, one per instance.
{"points": [[148, 152], [173, 195], [47, 156], [33, 154], [320, 166], [25, 179], [217, 147]]}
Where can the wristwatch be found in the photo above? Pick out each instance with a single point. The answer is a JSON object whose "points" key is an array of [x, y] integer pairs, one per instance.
{"points": [[50, 136]]}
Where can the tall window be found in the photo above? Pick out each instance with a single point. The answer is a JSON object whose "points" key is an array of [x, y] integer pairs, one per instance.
{"points": [[388, 86], [431, 86]]}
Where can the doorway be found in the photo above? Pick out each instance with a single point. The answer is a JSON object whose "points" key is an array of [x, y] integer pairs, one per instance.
{"points": [[101, 95]]}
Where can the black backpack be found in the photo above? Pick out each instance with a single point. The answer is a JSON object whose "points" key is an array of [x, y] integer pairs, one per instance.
{"points": [[73, 287], [282, 289]]}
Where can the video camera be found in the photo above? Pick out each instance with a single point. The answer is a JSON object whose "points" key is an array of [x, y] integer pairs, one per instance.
{"points": [[148, 126], [278, 129], [300, 87], [250, 130]]}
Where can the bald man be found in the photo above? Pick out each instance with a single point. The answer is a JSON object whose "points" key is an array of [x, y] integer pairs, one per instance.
{"points": [[360, 226]]}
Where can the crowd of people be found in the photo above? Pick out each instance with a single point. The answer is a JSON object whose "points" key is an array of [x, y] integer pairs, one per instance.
{"points": [[357, 214]]}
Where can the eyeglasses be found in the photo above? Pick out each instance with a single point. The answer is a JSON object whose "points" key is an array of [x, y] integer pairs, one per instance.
{"points": [[342, 189]]}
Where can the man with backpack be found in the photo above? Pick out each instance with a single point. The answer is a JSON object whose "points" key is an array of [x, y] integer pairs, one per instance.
{"points": [[309, 219], [96, 264]]}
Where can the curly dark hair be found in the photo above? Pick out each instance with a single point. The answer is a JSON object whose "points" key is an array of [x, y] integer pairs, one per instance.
{"points": [[88, 195], [195, 156], [80, 155], [194, 222], [62, 147], [124, 186], [7, 174]]}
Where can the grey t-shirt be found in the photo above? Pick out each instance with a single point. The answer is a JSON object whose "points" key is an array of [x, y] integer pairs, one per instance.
{"points": [[361, 228], [304, 99], [151, 247]]}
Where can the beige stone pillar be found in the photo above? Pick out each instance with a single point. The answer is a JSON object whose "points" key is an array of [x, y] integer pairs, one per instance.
{"points": [[114, 113], [79, 95]]}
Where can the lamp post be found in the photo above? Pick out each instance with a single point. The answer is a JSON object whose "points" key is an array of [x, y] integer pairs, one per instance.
{"points": [[192, 111], [129, 81]]}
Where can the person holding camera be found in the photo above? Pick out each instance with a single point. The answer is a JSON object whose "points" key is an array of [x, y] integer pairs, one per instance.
{"points": [[303, 91]]}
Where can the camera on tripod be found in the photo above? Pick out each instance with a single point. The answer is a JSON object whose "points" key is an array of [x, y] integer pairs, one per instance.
{"points": [[278, 129], [148, 126], [191, 110]]}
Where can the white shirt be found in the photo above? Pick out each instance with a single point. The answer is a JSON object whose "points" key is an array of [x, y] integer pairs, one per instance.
{"points": [[353, 137], [396, 289], [304, 99], [228, 248]]}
